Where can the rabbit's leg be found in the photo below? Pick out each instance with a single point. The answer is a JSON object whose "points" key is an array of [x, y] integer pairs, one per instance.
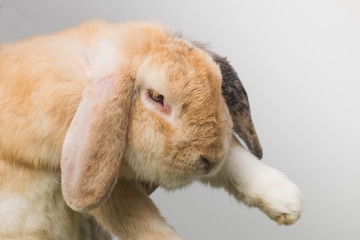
{"points": [[130, 215], [258, 185]]}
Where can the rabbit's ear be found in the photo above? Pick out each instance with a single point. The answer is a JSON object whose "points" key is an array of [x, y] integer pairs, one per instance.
{"points": [[95, 143], [237, 101], [238, 104]]}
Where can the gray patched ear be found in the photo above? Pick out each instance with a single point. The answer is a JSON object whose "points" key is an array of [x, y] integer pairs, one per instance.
{"points": [[238, 104], [237, 101]]}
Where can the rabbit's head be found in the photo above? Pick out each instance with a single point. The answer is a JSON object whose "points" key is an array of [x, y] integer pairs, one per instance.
{"points": [[180, 127], [163, 114]]}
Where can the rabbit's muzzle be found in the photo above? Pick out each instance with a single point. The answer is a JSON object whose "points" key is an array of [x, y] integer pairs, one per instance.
{"points": [[207, 164]]}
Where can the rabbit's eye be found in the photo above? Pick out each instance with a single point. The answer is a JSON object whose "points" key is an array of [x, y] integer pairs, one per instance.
{"points": [[157, 101], [156, 97]]}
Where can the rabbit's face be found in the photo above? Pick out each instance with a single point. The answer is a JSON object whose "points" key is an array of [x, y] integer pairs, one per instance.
{"points": [[180, 127]]}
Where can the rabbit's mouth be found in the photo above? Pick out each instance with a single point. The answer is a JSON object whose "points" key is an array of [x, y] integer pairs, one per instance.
{"points": [[148, 187]]}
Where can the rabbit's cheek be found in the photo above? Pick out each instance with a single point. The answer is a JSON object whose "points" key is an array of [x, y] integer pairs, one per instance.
{"points": [[147, 141]]}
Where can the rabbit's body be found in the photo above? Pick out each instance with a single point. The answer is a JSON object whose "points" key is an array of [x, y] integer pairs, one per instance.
{"points": [[41, 85], [87, 113], [32, 206], [38, 103]]}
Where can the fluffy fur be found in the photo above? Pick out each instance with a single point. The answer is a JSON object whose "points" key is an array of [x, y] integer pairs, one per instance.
{"points": [[79, 131], [258, 185]]}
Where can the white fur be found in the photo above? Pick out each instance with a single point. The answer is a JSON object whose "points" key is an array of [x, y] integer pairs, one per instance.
{"points": [[32, 212], [260, 185]]}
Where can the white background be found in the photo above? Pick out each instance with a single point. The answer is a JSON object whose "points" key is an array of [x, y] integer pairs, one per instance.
{"points": [[300, 64]]}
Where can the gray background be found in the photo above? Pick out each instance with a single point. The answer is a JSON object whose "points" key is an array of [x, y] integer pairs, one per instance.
{"points": [[299, 62]]}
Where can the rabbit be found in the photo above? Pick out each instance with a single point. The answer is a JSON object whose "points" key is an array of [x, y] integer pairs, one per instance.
{"points": [[92, 115]]}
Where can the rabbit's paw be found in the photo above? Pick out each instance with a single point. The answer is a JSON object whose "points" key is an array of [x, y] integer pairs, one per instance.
{"points": [[279, 198]]}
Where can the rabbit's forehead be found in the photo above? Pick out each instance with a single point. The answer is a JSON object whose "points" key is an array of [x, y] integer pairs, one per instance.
{"points": [[152, 77], [188, 68], [198, 69]]}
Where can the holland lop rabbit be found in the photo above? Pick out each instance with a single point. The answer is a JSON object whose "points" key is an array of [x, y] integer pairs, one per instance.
{"points": [[93, 116]]}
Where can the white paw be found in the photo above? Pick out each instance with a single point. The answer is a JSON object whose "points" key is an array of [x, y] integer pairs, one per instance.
{"points": [[259, 185], [277, 196]]}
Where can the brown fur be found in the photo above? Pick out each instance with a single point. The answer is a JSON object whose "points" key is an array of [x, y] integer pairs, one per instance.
{"points": [[85, 85]]}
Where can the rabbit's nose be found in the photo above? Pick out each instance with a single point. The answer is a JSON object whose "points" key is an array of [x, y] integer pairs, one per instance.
{"points": [[207, 164]]}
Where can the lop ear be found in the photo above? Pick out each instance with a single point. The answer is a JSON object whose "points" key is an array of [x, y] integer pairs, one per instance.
{"points": [[238, 104], [237, 101], [95, 143]]}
